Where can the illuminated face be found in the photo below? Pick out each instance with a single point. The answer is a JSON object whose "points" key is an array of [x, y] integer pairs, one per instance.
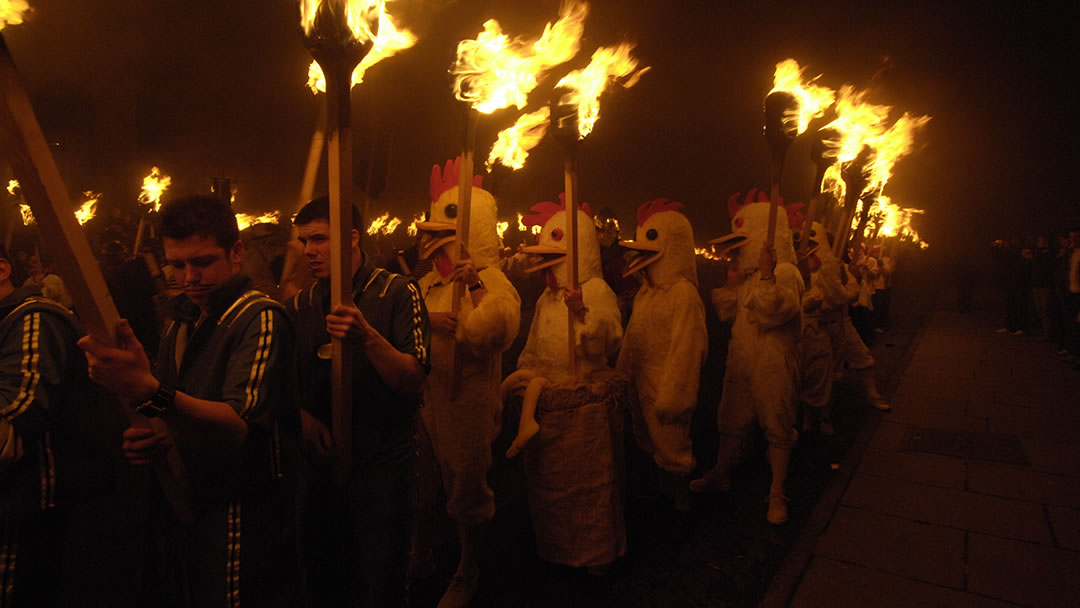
{"points": [[315, 237], [202, 265]]}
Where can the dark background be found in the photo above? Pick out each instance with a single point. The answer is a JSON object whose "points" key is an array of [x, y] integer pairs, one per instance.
{"points": [[203, 88]]}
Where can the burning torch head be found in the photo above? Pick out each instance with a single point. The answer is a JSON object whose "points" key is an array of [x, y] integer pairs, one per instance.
{"points": [[337, 34], [825, 148], [663, 247], [781, 121], [549, 252], [854, 173], [564, 118]]}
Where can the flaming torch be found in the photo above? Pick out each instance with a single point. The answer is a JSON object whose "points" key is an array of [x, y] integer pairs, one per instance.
{"points": [[88, 209], [154, 185], [25, 146], [338, 34], [574, 110]]}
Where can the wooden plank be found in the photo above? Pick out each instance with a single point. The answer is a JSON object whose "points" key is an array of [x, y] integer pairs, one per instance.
{"points": [[44, 191]]}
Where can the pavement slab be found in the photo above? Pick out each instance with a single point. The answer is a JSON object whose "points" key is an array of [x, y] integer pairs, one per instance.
{"points": [[1023, 483], [832, 583], [1065, 523], [925, 552], [1021, 572], [929, 469]]}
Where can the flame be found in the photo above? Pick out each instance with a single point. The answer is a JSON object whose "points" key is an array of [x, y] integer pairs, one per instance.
{"points": [[494, 71], [501, 228], [12, 186], [11, 12], [861, 123], [412, 230], [27, 214], [88, 209], [813, 99], [513, 145], [889, 220], [609, 64], [246, 220], [384, 224], [153, 186], [360, 15], [388, 42], [521, 224], [707, 254], [536, 229]]}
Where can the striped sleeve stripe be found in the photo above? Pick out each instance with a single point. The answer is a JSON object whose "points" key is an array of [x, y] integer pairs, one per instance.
{"points": [[233, 527], [418, 336], [258, 365], [31, 376]]}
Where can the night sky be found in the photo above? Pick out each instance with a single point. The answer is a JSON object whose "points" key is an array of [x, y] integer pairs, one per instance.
{"points": [[203, 88]]}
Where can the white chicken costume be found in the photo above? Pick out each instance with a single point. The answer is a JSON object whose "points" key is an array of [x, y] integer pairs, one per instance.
{"points": [[666, 341], [821, 301], [571, 432], [462, 427], [763, 356]]}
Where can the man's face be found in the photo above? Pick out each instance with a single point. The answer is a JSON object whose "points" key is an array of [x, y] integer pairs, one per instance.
{"points": [[315, 237], [202, 265]]}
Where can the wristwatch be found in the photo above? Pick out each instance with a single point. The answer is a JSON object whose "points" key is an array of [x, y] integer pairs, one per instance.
{"points": [[476, 286], [158, 403]]}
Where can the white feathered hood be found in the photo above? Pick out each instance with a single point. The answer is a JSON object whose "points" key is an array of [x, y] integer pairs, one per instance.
{"points": [[750, 227], [440, 227], [663, 244], [551, 242]]}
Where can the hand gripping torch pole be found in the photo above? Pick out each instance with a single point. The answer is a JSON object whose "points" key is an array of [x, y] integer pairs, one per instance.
{"points": [[337, 50]]}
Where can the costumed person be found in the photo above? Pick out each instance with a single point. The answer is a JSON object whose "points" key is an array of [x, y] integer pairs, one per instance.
{"points": [[849, 349], [763, 300], [824, 296], [52, 440], [571, 425], [354, 537], [666, 341], [460, 415]]}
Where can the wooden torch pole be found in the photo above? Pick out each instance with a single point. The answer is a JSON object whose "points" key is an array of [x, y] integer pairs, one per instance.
{"points": [[780, 131], [47, 196], [464, 204], [573, 278]]}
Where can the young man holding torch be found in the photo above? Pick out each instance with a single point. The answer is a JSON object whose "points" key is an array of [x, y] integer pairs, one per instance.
{"points": [[355, 538], [220, 386]]}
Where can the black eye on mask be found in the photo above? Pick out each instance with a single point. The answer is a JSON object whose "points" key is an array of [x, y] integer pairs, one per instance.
{"points": [[451, 210], [652, 234]]}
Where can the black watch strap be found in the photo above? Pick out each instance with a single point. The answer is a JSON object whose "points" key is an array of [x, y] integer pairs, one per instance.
{"points": [[476, 287], [158, 403]]}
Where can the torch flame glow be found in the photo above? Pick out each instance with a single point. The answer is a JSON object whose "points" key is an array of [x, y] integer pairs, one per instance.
{"points": [[501, 228], [495, 71], [813, 99], [513, 145], [412, 229], [12, 186], [246, 220], [388, 42], [521, 224], [27, 214], [707, 254], [888, 220], [11, 12], [88, 209], [609, 64], [153, 186], [384, 224], [360, 15]]}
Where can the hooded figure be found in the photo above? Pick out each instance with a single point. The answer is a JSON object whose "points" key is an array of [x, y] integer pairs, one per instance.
{"points": [[825, 294], [763, 301], [462, 427], [571, 426], [666, 340]]}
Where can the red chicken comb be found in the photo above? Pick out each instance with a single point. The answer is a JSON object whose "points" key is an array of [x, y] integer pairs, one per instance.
{"points": [[542, 212], [441, 181], [753, 196], [650, 208]]}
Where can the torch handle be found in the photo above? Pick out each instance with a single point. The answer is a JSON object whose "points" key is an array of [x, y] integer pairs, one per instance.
{"points": [[339, 131], [464, 215], [573, 279], [774, 203]]}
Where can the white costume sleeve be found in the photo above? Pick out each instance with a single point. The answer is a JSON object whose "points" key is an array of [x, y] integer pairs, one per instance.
{"points": [[851, 288], [773, 303], [602, 331], [725, 300], [834, 294], [677, 390], [492, 326]]}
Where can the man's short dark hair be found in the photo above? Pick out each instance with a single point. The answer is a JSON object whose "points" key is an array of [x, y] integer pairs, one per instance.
{"points": [[319, 209], [201, 215]]}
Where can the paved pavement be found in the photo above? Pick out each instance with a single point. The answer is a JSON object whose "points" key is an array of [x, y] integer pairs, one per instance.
{"points": [[968, 493]]}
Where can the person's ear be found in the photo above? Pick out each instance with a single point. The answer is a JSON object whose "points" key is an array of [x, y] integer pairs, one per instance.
{"points": [[5, 270], [355, 238], [236, 252]]}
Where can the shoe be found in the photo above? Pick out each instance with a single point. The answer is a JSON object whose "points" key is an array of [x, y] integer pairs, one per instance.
{"points": [[1018, 332], [711, 483], [461, 591], [881, 405], [777, 514], [825, 427], [1001, 330]]}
